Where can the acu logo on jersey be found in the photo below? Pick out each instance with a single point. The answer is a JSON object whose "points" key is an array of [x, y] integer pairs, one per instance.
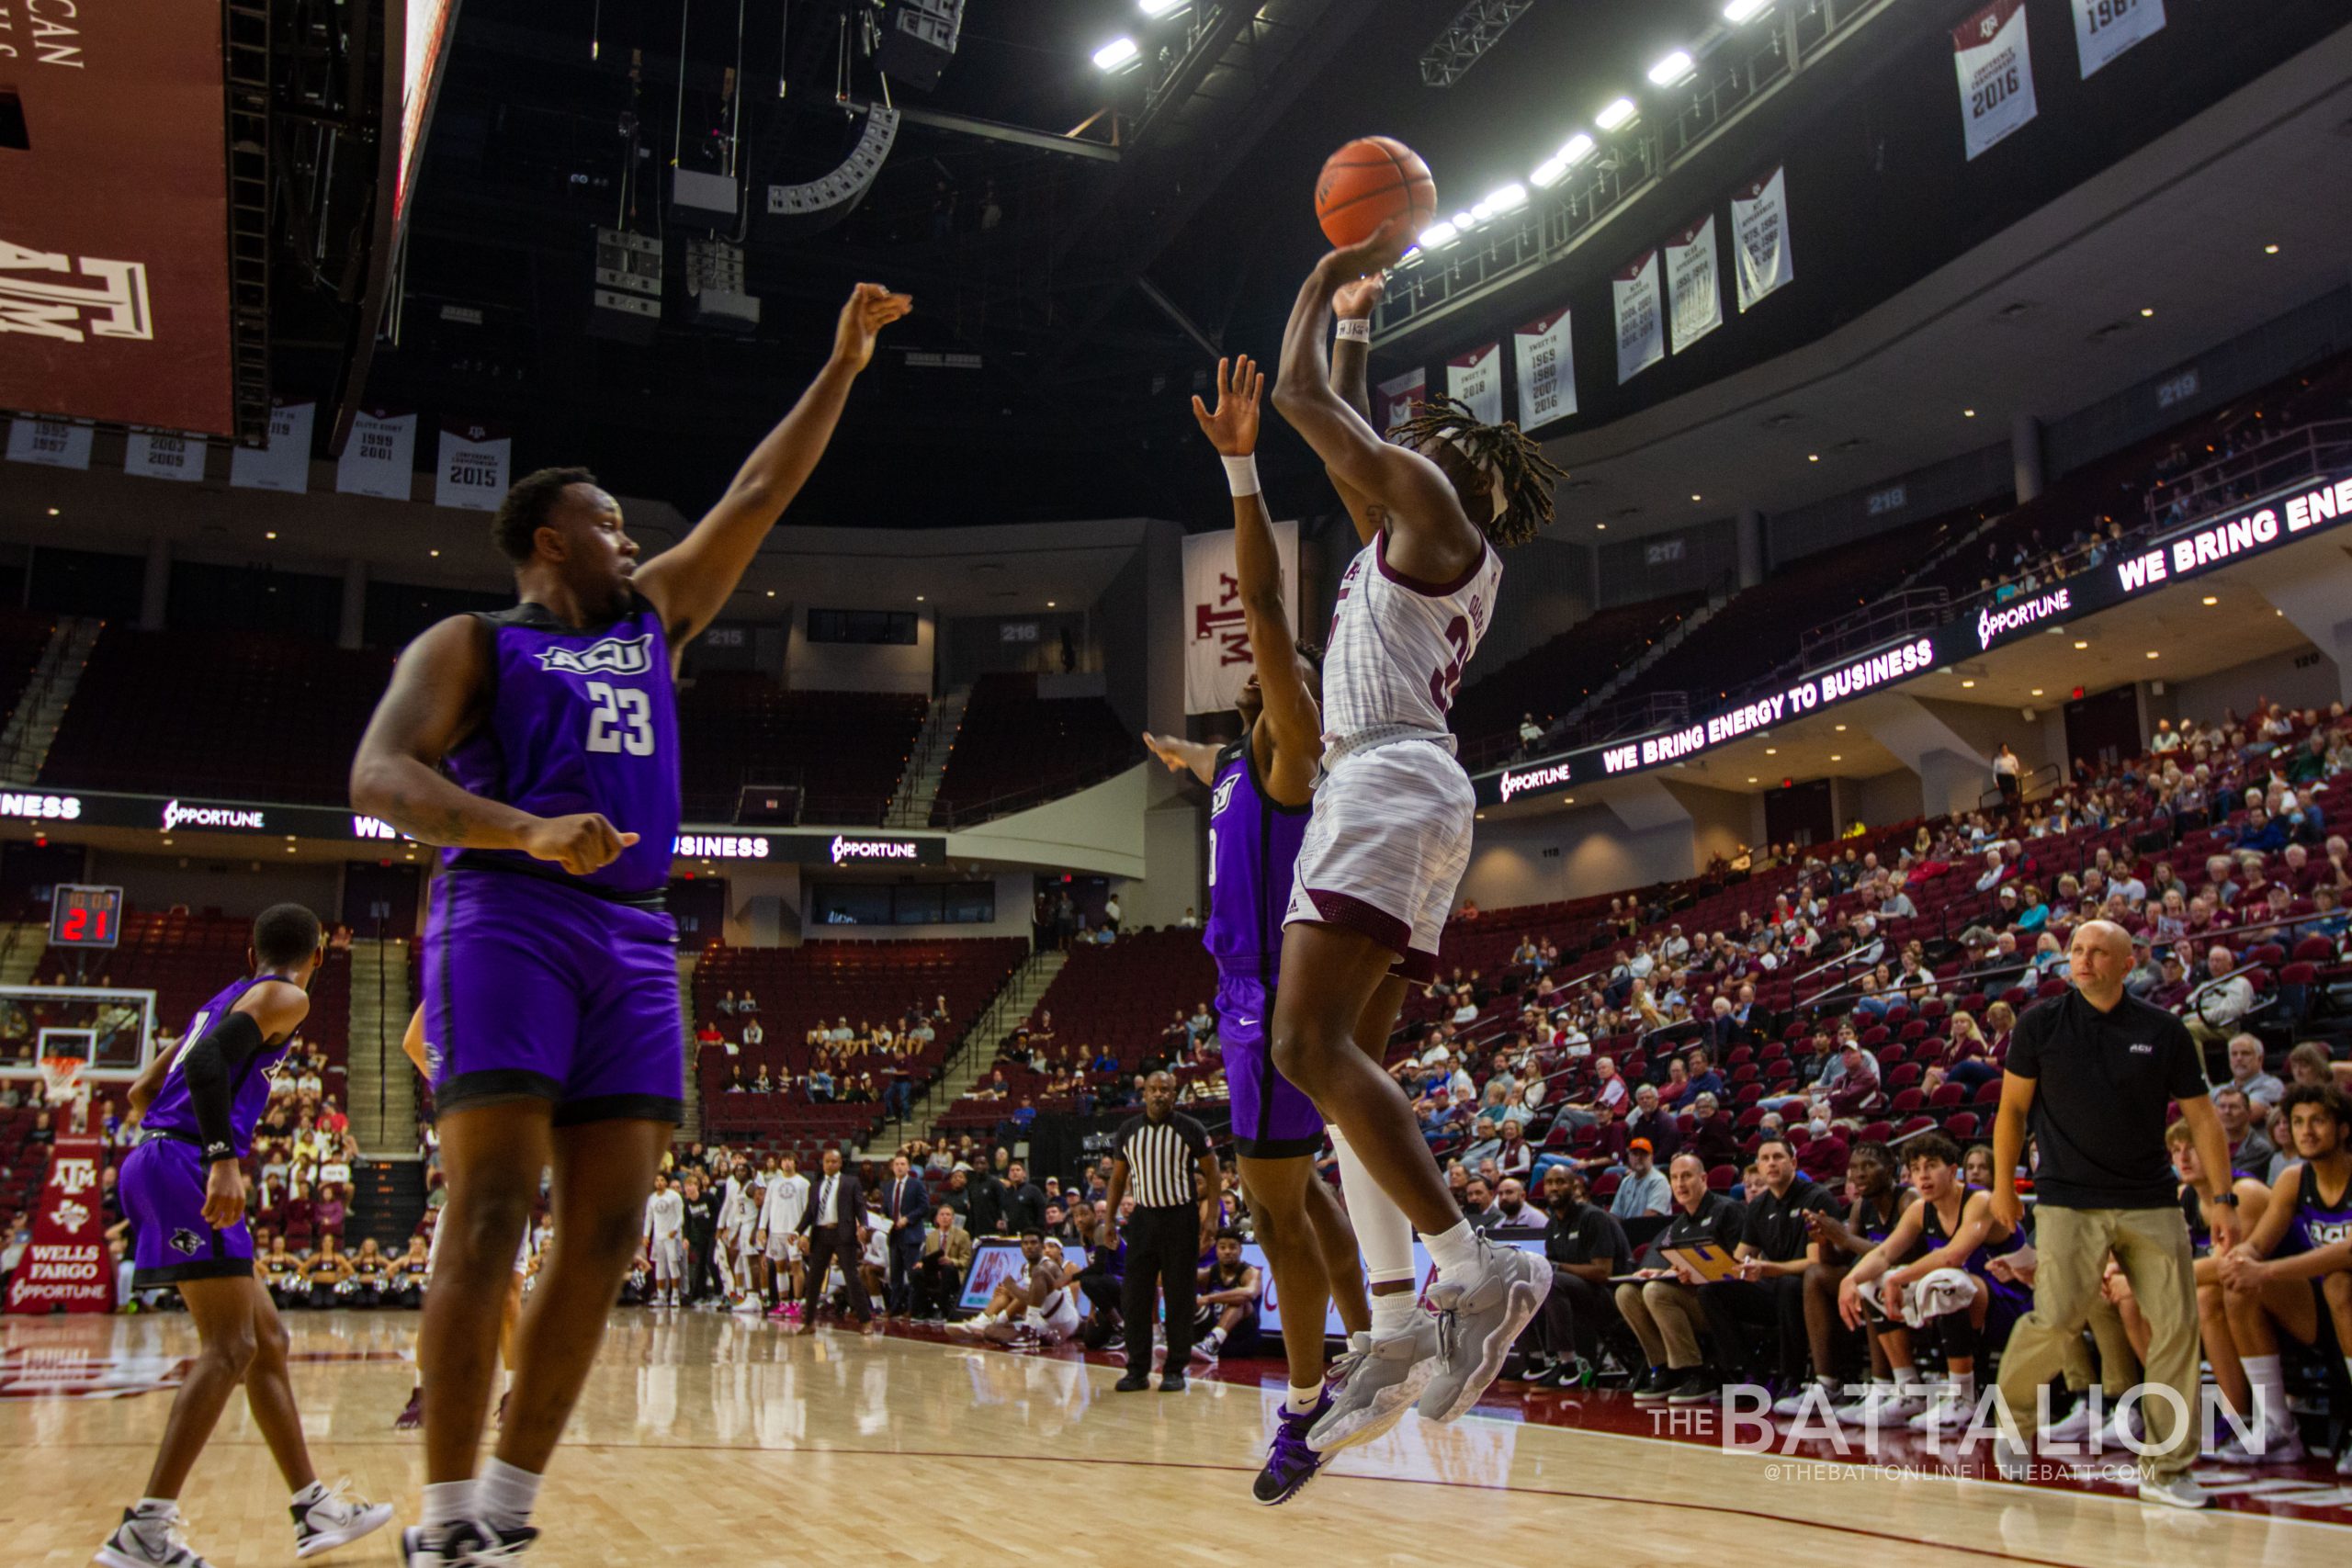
{"points": [[613, 656], [1224, 796]]}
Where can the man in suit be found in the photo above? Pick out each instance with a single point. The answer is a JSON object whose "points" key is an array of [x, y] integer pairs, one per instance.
{"points": [[834, 1224], [905, 1201], [939, 1272]]}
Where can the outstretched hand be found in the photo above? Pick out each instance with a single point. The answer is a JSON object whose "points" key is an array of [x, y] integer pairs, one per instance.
{"points": [[1369, 259], [870, 308], [1167, 751], [1232, 428], [1356, 300]]}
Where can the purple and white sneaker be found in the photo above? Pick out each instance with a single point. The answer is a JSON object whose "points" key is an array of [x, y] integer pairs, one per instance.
{"points": [[1291, 1463]]}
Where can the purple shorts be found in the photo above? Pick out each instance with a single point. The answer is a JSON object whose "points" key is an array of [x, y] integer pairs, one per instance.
{"points": [[1272, 1118], [535, 990], [162, 1190]]}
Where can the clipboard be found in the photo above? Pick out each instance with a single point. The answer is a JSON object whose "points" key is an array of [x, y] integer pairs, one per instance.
{"points": [[1704, 1259]]}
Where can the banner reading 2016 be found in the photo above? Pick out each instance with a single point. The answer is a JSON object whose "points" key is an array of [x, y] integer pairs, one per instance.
{"points": [[1992, 54], [1547, 376]]}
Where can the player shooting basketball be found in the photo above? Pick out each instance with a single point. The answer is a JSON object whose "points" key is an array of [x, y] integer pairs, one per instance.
{"points": [[1387, 846], [550, 980], [1262, 789]]}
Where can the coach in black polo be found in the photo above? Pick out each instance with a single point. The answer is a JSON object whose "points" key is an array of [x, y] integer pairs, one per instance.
{"points": [[1174, 1222], [2090, 1072]]}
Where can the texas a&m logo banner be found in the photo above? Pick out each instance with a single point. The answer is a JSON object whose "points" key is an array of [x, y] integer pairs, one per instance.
{"points": [[1216, 638]]}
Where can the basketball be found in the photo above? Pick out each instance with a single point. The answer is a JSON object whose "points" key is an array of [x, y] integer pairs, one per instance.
{"points": [[1366, 182]]}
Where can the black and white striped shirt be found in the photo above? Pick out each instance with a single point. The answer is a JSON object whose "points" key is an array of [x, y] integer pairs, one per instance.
{"points": [[1161, 1158]]}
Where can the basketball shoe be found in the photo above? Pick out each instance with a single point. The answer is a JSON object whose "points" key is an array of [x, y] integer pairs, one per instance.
{"points": [[328, 1517], [1291, 1463], [412, 1415], [150, 1537], [1477, 1323], [1375, 1383], [463, 1545]]}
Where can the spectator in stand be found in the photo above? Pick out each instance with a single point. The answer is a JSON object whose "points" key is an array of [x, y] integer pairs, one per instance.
{"points": [[1192, 920], [1662, 1308], [939, 1273], [1652, 1121], [708, 1034], [2251, 1150], [2247, 1077], [1645, 1191], [2220, 998], [1712, 1136], [754, 1035], [2006, 771], [2166, 740], [1852, 1082], [1531, 734], [1996, 871]]}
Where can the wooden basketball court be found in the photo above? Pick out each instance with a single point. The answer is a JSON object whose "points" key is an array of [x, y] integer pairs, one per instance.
{"points": [[708, 1439]]}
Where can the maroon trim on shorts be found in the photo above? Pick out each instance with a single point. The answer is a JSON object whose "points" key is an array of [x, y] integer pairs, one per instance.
{"points": [[1417, 966], [1427, 590], [1351, 913]]}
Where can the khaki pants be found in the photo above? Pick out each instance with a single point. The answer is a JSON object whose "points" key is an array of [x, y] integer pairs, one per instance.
{"points": [[1666, 1316], [2152, 1247]]}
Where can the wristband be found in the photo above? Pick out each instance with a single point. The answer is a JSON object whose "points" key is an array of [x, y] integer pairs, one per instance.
{"points": [[1354, 329], [1241, 474]]}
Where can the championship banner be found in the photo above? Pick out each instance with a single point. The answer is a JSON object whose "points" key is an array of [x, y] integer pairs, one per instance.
{"points": [[1696, 301], [52, 443], [1759, 237], [164, 455], [2105, 28], [1641, 335], [285, 463], [1216, 637], [66, 1268], [473, 468], [1477, 379], [1547, 371], [114, 214], [1398, 397], [1990, 51], [378, 459]]}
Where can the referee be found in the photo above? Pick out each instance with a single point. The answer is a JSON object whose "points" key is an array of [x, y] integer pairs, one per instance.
{"points": [[1174, 1222], [2090, 1072]]}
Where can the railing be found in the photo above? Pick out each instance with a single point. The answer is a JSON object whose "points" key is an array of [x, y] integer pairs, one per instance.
{"points": [[2039, 785], [1879, 622], [1558, 220], [2318, 448], [1051, 787], [1627, 715]]}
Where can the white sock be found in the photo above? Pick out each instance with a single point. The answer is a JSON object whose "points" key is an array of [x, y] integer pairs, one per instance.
{"points": [[155, 1508], [1963, 1387], [1392, 1314], [2267, 1380], [1382, 1232], [1906, 1379], [447, 1502], [1302, 1400], [1455, 1253], [507, 1495], [310, 1494], [1216, 1336]]}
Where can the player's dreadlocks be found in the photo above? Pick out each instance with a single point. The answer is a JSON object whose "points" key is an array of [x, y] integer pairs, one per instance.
{"points": [[1500, 449]]}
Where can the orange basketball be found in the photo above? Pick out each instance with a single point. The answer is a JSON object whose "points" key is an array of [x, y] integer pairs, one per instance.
{"points": [[1369, 181]]}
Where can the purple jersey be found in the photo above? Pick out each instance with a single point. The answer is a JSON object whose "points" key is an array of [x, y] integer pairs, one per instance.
{"points": [[248, 1083], [1253, 845], [579, 721], [2318, 1223]]}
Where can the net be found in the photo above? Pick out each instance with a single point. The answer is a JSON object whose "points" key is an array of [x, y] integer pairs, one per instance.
{"points": [[61, 1080]]}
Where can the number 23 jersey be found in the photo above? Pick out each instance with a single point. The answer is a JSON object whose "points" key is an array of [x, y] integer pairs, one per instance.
{"points": [[1398, 645], [580, 720]]}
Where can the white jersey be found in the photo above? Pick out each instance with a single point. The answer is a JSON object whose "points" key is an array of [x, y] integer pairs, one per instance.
{"points": [[787, 1199], [665, 1215], [1399, 647]]}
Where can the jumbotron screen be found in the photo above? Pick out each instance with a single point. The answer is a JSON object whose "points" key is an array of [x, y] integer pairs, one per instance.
{"points": [[427, 42]]}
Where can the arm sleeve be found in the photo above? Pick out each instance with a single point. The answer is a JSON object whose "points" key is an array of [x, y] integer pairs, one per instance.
{"points": [[1196, 1138], [207, 1068], [2025, 1045]]}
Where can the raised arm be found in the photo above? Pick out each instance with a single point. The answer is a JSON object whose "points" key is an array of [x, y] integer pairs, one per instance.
{"points": [[1402, 491], [428, 709], [1351, 378], [1195, 757], [1292, 719], [691, 583]]}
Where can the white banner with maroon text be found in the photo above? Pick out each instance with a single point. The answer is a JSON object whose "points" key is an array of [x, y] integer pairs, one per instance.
{"points": [[1992, 53], [1398, 397], [285, 463], [1695, 298], [1759, 238], [164, 455], [1547, 370], [1477, 379], [378, 459], [1641, 329], [474, 470], [1216, 638], [66, 1269], [2105, 28]]}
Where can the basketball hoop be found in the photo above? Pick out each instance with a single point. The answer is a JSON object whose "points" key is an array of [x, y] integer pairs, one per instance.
{"points": [[61, 1080]]}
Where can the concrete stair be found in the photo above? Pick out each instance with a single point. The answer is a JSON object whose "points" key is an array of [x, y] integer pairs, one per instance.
{"points": [[32, 726], [380, 1082], [927, 760], [21, 950], [973, 1058]]}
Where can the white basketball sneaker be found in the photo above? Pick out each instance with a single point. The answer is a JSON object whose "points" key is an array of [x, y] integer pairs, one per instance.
{"points": [[150, 1537], [328, 1517]]}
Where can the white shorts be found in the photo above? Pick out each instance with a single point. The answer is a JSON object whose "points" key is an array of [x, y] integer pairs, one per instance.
{"points": [[668, 1255], [1385, 849], [1055, 1326]]}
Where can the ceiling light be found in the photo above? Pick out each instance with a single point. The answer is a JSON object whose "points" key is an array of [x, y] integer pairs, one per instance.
{"points": [[1842, 729], [918, 598], [2269, 249], [2152, 653], [1601, 527], [1119, 53], [1503, 200], [1675, 67], [1739, 11], [771, 592], [1161, 7], [2036, 691], [1615, 115], [2210, 600], [1964, 686], [1968, 413], [1576, 149], [1050, 604], [271, 535], [2148, 310], [1813, 456], [2079, 645], [52, 511], [1467, 219], [1695, 496], [433, 552], [1771, 751], [1439, 234], [1837, 757], [1752, 778], [1548, 172]]}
